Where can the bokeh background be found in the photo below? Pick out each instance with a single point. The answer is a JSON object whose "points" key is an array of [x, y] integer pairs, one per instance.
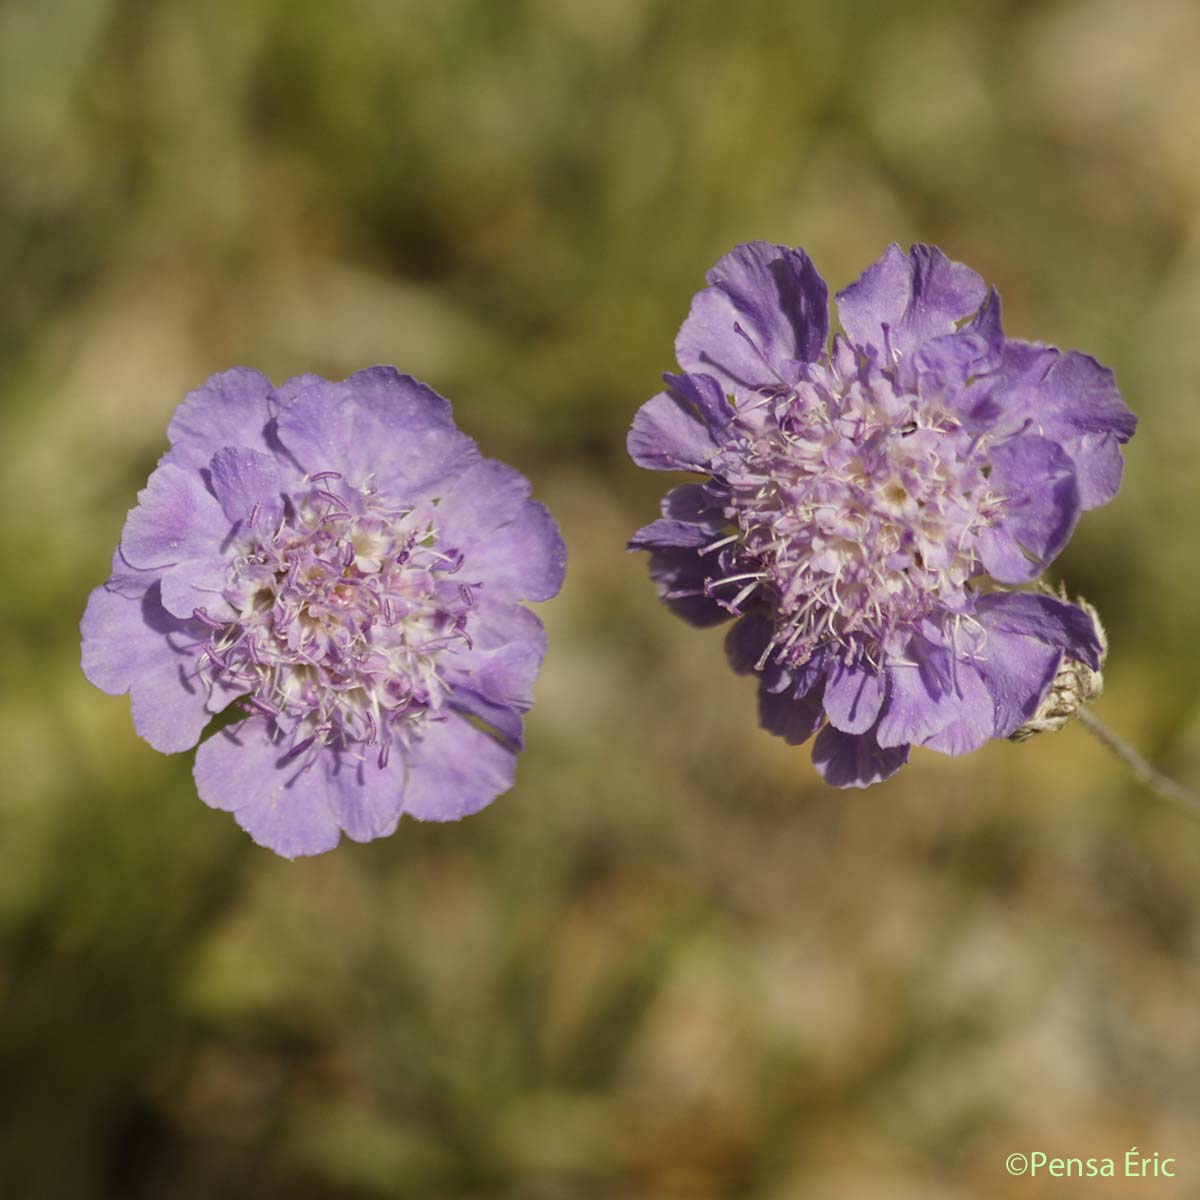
{"points": [[670, 963]]}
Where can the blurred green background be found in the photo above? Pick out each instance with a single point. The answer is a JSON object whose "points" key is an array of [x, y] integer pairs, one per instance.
{"points": [[670, 963]]}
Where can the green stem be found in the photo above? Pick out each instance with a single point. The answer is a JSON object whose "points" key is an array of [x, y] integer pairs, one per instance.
{"points": [[1150, 776]]}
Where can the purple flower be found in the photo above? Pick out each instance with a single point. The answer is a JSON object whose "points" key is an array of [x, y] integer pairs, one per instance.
{"points": [[864, 506], [341, 559]]}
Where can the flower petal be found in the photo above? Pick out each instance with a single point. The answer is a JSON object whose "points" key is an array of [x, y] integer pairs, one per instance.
{"points": [[1073, 400], [503, 721], [855, 760], [903, 300], [247, 483], [765, 305], [746, 641], [854, 696], [500, 622], [973, 719], [455, 770], [987, 321], [127, 580], [230, 409], [1065, 626], [799, 679], [179, 528], [920, 695], [961, 372], [795, 718], [673, 431], [526, 558], [281, 804], [496, 686], [366, 799], [681, 575], [378, 429], [134, 645], [481, 499], [287, 391], [1041, 506], [704, 395], [695, 503], [192, 585], [666, 532], [176, 520], [1018, 671]]}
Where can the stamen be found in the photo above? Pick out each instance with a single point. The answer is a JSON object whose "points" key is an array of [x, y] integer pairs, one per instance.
{"points": [[332, 497], [709, 584], [733, 604], [755, 347], [725, 541], [202, 616], [817, 525], [212, 653], [341, 655]]}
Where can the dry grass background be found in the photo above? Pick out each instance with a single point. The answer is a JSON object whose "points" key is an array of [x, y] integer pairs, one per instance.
{"points": [[670, 964]]}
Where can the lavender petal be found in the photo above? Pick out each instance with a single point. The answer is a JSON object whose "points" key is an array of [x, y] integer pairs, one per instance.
{"points": [[764, 305], [855, 760], [455, 770], [282, 803]]}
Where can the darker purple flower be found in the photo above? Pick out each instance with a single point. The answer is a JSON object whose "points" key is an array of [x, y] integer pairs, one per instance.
{"points": [[867, 507], [339, 559]]}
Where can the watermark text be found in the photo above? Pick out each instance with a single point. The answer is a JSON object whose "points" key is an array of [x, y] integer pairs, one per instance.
{"points": [[1133, 1164]]}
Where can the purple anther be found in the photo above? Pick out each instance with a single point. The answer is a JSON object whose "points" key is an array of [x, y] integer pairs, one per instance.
{"points": [[212, 653], [202, 616], [332, 497]]}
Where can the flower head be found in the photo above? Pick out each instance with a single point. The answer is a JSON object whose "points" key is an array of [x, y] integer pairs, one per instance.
{"points": [[340, 560], [865, 503]]}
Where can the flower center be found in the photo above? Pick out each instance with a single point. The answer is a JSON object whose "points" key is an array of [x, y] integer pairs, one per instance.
{"points": [[856, 506], [345, 610]]}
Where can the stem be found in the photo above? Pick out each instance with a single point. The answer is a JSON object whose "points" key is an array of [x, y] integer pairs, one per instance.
{"points": [[1162, 785]]}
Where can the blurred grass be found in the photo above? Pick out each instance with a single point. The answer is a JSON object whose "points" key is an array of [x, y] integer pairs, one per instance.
{"points": [[669, 964]]}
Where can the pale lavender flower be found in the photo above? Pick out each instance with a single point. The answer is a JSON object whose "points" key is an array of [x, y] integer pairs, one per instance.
{"points": [[339, 559], [866, 505]]}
